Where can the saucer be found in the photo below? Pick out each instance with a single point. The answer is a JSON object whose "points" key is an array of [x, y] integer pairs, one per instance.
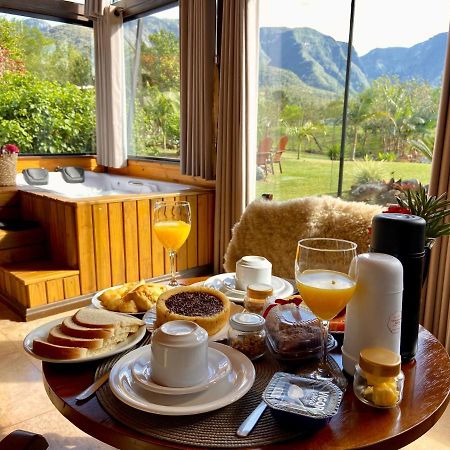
{"points": [[226, 283], [219, 366], [226, 391]]}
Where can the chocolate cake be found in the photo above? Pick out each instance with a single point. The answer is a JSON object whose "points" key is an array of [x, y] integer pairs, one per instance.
{"points": [[207, 307]]}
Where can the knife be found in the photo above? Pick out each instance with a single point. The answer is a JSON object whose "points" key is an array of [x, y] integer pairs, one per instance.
{"points": [[248, 424], [93, 387]]}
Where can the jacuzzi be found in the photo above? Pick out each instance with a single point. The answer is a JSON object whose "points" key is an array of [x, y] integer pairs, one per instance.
{"points": [[101, 184]]}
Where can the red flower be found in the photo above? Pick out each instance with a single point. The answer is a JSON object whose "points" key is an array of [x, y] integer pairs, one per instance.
{"points": [[10, 148], [397, 209]]}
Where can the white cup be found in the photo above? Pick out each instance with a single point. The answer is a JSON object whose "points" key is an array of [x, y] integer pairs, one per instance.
{"points": [[179, 355], [252, 269]]}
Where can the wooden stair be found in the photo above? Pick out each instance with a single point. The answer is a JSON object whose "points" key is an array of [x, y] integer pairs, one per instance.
{"points": [[37, 283], [23, 245]]}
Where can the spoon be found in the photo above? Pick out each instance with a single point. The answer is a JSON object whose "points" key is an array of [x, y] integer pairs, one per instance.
{"points": [[248, 424]]}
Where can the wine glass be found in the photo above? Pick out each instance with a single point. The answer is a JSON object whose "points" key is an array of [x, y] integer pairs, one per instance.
{"points": [[326, 275], [172, 225]]}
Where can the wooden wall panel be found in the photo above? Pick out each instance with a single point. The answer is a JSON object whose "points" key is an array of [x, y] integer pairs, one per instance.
{"points": [[145, 238], [55, 290], [37, 294], [131, 241], [86, 257], [158, 251], [87, 162], [102, 249], [203, 230], [116, 240], [71, 286], [71, 237], [192, 241]]}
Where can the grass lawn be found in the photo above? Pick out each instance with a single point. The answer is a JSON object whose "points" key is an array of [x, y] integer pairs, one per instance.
{"points": [[311, 175]]}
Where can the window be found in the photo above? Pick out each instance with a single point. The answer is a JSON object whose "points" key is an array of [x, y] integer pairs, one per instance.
{"points": [[153, 85], [47, 96], [393, 96]]}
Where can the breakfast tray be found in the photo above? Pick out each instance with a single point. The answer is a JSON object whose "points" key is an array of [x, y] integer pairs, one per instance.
{"points": [[212, 429]]}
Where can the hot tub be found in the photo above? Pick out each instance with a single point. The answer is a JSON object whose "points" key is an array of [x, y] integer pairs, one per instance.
{"points": [[101, 184]]}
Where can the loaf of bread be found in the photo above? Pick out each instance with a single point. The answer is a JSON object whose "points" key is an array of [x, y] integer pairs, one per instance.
{"points": [[88, 332], [207, 307]]}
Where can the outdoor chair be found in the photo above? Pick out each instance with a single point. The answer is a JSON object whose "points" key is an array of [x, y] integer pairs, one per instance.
{"points": [[276, 158], [264, 155], [273, 228]]}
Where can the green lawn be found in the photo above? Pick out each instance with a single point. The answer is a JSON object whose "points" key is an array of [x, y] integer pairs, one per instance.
{"points": [[311, 175]]}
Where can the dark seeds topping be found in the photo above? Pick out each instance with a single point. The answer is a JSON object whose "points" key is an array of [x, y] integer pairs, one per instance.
{"points": [[194, 304]]}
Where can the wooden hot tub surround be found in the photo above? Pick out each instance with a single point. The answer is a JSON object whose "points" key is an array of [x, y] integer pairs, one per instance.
{"points": [[94, 243]]}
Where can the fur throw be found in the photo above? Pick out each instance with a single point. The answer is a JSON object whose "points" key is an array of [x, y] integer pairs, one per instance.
{"points": [[272, 229]]}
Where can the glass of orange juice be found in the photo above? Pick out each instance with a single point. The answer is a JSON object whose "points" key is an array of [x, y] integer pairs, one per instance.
{"points": [[326, 276], [172, 225]]}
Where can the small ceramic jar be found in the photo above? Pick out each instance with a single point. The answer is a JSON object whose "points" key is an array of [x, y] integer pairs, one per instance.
{"points": [[247, 334], [378, 379]]}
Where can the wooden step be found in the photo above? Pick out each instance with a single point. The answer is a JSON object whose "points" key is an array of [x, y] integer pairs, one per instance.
{"points": [[35, 283], [12, 239], [26, 253]]}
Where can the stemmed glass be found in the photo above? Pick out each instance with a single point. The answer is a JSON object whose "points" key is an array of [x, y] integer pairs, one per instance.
{"points": [[172, 225], [326, 274]]}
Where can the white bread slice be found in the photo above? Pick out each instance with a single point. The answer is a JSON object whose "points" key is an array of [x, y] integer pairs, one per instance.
{"points": [[101, 318], [52, 351], [69, 327], [58, 337]]}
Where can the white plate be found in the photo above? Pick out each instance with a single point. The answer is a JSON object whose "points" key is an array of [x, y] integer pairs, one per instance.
{"points": [[42, 333], [231, 388], [226, 283], [150, 319], [219, 366]]}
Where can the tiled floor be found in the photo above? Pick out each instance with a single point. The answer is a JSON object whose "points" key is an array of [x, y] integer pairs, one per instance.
{"points": [[25, 405]]}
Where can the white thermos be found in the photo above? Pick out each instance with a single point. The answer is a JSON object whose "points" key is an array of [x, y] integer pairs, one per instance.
{"points": [[374, 314]]}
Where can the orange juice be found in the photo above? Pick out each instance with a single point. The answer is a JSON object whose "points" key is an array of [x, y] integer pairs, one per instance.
{"points": [[172, 233], [326, 292]]}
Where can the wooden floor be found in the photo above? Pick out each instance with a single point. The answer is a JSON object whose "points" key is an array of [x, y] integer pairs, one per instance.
{"points": [[24, 403]]}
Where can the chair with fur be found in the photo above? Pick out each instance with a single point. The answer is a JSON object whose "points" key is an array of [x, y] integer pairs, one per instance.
{"points": [[273, 228]]}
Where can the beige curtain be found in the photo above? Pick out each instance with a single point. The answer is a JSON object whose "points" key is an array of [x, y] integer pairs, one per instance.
{"points": [[435, 309], [236, 142], [109, 84], [197, 70]]}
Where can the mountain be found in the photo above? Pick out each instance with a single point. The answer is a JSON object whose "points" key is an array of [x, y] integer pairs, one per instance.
{"points": [[318, 60], [423, 61]]}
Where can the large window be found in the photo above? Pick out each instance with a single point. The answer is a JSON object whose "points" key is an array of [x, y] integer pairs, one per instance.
{"points": [[393, 93], [153, 84], [47, 96]]}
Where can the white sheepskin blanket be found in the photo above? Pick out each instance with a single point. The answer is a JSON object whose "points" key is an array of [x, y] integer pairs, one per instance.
{"points": [[272, 229]]}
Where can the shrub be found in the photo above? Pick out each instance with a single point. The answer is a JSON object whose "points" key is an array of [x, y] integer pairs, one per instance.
{"points": [[368, 171]]}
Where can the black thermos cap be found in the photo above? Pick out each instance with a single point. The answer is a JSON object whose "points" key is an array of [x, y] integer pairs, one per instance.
{"points": [[398, 234]]}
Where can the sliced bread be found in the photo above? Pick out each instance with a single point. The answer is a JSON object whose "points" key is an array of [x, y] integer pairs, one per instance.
{"points": [[48, 350], [58, 337], [101, 318], [69, 327]]}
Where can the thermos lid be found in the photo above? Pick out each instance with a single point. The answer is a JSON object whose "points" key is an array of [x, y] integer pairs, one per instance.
{"points": [[398, 234], [378, 274]]}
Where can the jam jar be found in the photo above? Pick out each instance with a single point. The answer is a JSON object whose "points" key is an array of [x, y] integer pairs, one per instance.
{"points": [[247, 334], [378, 379], [257, 296]]}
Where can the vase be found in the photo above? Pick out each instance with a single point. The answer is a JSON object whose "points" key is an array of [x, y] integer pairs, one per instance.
{"points": [[8, 169], [426, 264]]}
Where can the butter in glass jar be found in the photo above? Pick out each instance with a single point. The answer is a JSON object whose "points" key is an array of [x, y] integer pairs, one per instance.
{"points": [[257, 297], [378, 379]]}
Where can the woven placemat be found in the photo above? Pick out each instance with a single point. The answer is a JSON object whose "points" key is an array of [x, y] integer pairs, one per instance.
{"points": [[211, 429]]}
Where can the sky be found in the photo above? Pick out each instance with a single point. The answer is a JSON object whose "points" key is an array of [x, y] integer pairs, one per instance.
{"points": [[378, 23]]}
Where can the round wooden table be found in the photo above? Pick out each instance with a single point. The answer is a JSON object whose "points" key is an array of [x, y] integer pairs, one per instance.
{"points": [[426, 395]]}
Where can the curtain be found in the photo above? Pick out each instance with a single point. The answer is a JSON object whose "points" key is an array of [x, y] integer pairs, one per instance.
{"points": [[435, 309], [109, 83], [236, 140], [197, 72]]}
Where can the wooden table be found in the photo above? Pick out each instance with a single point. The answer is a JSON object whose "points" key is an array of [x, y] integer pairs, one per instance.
{"points": [[426, 395]]}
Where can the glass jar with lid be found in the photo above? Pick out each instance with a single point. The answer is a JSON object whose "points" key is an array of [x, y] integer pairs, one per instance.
{"points": [[247, 334], [378, 379], [257, 296]]}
